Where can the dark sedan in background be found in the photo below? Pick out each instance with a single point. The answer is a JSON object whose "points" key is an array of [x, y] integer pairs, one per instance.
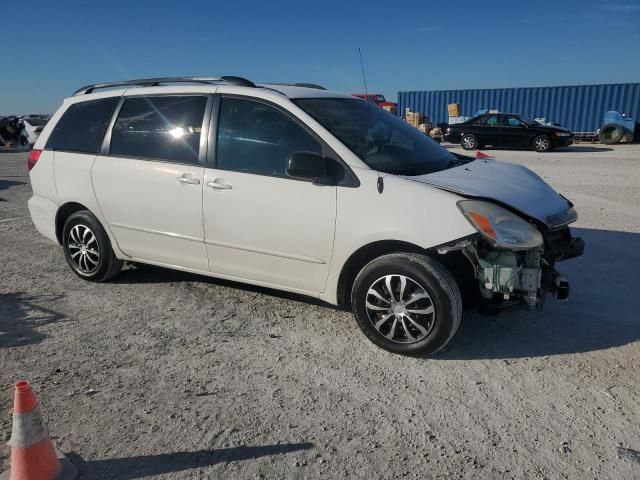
{"points": [[507, 130]]}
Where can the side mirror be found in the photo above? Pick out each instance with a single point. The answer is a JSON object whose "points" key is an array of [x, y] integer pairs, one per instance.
{"points": [[308, 166], [523, 125]]}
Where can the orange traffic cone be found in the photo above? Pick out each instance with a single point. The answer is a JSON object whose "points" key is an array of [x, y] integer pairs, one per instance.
{"points": [[33, 456], [480, 154]]}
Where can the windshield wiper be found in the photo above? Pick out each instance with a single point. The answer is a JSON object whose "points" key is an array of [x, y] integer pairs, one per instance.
{"points": [[409, 170]]}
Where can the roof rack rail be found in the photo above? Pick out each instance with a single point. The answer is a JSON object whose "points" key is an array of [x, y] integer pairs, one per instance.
{"points": [[153, 82], [305, 85]]}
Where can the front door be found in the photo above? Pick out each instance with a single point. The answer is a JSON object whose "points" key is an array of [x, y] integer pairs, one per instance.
{"points": [[513, 131], [261, 225], [149, 186]]}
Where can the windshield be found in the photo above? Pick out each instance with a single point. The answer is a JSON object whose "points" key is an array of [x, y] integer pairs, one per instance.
{"points": [[527, 121], [378, 138], [380, 98]]}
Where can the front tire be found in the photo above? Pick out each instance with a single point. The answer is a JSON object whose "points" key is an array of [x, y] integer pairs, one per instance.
{"points": [[611, 134], [542, 143], [469, 142], [407, 304], [87, 248]]}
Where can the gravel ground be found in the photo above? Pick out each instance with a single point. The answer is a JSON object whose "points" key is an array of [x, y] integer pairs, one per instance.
{"points": [[162, 374]]}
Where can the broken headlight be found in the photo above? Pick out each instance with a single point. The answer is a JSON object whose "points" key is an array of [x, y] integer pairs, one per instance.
{"points": [[502, 228]]}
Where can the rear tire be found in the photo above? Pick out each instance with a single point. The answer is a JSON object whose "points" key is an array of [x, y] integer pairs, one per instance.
{"points": [[87, 248], [469, 142], [417, 318], [542, 143], [611, 134]]}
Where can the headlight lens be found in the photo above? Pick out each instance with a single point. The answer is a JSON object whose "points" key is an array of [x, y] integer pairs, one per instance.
{"points": [[563, 134], [502, 228]]}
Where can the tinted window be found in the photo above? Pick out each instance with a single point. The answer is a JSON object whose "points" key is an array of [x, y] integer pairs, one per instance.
{"points": [[82, 126], [490, 120], [166, 128], [254, 137]]}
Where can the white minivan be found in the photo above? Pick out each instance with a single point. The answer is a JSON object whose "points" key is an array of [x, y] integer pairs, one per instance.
{"points": [[293, 187]]}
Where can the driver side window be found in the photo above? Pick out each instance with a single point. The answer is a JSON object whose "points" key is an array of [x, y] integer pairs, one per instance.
{"points": [[492, 121], [256, 138]]}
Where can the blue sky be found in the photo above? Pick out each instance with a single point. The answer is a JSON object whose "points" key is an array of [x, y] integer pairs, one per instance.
{"points": [[57, 47]]}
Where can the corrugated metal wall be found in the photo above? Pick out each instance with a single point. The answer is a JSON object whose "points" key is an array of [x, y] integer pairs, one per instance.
{"points": [[579, 108]]}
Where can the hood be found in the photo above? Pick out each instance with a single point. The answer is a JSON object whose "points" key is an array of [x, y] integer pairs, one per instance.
{"points": [[512, 185], [553, 128]]}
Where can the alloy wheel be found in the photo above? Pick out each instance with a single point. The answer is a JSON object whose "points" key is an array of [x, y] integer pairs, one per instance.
{"points": [[469, 142], [400, 309], [83, 249], [542, 144]]}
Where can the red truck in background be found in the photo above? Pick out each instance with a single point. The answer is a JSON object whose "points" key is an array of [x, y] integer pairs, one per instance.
{"points": [[376, 98]]}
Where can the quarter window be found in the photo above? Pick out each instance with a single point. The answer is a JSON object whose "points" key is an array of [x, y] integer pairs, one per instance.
{"points": [[164, 128], [82, 126], [254, 137]]}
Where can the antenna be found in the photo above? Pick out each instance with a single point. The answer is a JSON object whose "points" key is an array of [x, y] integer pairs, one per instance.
{"points": [[364, 78]]}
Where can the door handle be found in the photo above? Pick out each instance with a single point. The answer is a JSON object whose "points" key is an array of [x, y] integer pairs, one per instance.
{"points": [[219, 186], [188, 179]]}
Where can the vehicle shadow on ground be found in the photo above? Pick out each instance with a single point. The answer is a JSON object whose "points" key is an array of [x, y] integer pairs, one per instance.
{"points": [[603, 311], [584, 149], [21, 315], [5, 184], [570, 149], [141, 273], [139, 467]]}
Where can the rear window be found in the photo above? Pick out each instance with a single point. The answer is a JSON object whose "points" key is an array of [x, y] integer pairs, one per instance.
{"points": [[81, 128], [164, 128]]}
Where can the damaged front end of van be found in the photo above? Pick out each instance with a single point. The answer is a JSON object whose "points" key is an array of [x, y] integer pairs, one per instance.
{"points": [[512, 259], [523, 231]]}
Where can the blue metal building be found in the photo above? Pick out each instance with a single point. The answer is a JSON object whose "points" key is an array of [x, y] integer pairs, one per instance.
{"points": [[579, 107]]}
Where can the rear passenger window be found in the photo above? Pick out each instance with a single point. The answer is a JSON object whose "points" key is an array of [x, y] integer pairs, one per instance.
{"points": [[254, 137], [165, 128], [492, 121], [82, 126]]}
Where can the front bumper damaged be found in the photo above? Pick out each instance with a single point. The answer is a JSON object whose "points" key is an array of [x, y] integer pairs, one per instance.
{"points": [[507, 276]]}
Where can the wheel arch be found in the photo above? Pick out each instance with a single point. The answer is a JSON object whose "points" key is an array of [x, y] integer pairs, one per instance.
{"points": [[455, 262], [63, 213]]}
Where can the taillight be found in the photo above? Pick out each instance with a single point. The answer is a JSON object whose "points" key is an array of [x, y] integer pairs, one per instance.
{"points": [[34, 155]]}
